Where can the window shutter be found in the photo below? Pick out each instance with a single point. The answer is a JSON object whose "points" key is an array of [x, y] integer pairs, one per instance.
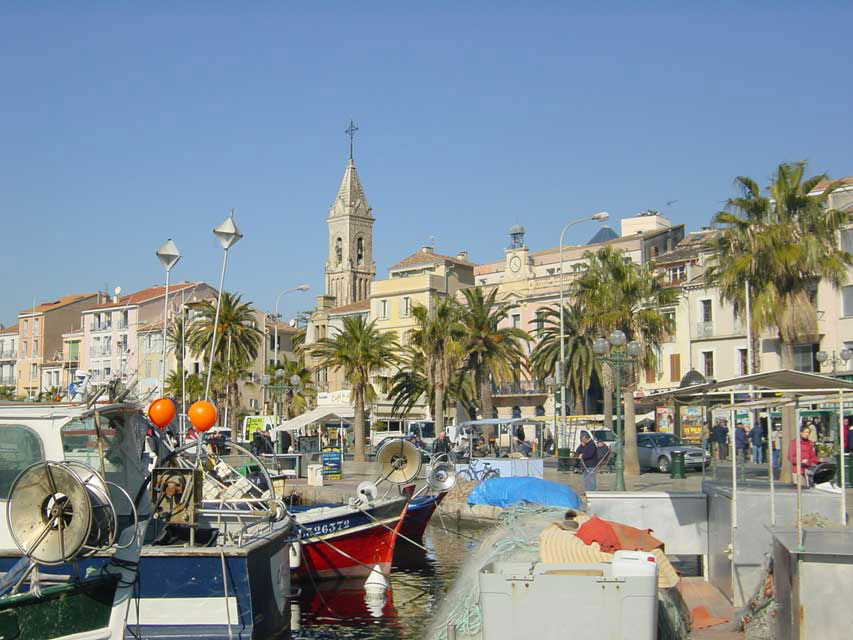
{"points": [[675, 367], [651, 376]]}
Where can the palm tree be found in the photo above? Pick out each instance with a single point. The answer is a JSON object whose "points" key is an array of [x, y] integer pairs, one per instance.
{"points": [[581, 364], [780, 245], [176, 338], [237, 331], [440, 336], [226, 378], [620, 294], [360, 349], [492, 352], [194, 386]]}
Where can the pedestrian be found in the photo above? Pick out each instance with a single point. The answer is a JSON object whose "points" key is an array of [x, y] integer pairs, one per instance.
{"points": [[441, 446], [808, 455], [523, 446], [721, 438], [286, 440], [589, 461], [777, 447], [740, 442], [756, 436]]}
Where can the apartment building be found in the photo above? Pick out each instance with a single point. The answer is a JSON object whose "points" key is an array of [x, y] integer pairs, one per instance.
{"points": [[40, 330], [110, 344], [9, 356]]}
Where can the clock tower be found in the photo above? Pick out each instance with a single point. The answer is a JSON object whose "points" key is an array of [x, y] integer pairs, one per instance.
{"points": [[517, 256], [350, 269]]}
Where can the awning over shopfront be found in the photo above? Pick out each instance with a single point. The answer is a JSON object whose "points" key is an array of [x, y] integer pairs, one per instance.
{"points": [[319, 415], [782, 381]]}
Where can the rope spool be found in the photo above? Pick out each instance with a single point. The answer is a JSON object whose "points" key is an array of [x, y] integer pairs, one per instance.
{"points": [[58, 511]]}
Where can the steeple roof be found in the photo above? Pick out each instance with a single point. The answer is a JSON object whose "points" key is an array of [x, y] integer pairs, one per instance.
{"points": [[351, 192]]}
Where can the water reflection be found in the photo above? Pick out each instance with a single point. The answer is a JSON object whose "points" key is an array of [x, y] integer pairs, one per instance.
{"points": [[418, 582]]}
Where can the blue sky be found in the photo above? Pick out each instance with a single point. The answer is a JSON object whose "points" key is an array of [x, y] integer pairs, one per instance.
{"points": [[124, 123]]}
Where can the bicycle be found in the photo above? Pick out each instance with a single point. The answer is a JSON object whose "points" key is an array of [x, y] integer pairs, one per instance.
{"points": [[477, 471]]}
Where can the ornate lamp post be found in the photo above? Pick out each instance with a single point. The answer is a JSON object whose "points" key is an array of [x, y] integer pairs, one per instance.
{"points": [[169, 256], [842, 358], [279, 385], [301, 287], [618, 355]]}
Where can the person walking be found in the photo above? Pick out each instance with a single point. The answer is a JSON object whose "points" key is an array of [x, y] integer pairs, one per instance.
{"points": [[777, 447], [740, 442], [589, 461], [756, 436], [808, 455], [721, 437]]}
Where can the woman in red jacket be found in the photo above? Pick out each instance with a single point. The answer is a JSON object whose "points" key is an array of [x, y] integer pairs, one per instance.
{"points": [[808, 455]]}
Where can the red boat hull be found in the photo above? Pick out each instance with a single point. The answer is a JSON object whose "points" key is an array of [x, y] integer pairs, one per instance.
{"points": [[349, 551]]}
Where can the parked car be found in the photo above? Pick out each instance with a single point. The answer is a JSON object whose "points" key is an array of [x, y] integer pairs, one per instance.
{"points": [[655, 452]]}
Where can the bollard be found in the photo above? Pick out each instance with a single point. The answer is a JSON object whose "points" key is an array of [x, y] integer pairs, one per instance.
{"points": [[676, 470], [563, 459]]}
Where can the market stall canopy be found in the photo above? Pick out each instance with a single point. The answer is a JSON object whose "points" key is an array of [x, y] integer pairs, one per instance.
{"points": [[782, 381], [326, 413], [499, 421]]}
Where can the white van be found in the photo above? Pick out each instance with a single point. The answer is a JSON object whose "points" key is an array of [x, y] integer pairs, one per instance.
{"points": [[382, 430]]}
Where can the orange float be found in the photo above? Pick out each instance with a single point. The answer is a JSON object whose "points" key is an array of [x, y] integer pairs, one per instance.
{"points": [[202, 415], [162, 412]]}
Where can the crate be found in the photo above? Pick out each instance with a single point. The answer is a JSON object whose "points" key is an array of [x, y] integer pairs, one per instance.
{"points": [[600, 601]]}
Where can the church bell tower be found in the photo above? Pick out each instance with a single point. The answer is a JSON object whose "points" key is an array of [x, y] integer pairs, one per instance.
{"points": [[350, 268]]}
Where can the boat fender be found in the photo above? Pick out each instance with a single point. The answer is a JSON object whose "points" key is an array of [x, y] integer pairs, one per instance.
{"points": [[376, 584], [295, 553]]}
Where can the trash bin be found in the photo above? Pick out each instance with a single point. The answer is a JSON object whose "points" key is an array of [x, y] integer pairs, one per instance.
{"points": [[676, 469], [564, 457], [848, 470]]}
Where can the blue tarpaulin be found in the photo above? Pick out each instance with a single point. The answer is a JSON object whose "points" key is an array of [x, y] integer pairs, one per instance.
{"points": [[505, 492]]}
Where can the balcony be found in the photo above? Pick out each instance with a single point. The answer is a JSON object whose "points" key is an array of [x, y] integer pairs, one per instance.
{"points": [[100, 352], [704, 329], [522, 388], [8, 355], [100, 326], [7, 381]]}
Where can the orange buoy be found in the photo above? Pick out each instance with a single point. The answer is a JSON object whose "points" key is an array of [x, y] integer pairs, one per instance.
{"points": [[162, 412], [202, 415]]}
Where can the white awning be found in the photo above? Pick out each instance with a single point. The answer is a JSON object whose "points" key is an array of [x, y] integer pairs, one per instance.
{"points": [[323, 414]]}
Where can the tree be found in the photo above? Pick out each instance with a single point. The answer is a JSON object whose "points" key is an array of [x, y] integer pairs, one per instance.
{"points": [[620, 294], [194, 386], [360, 350], [236, 329], [780, 245], [491, 351], [440, 335], [581, 364], [176, 339]]}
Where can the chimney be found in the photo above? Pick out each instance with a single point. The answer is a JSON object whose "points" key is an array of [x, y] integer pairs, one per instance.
{"points": [[426, 249], [115, 299], [462, 255]]}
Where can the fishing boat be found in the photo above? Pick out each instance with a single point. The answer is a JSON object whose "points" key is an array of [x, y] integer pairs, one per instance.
{"points": [[418, 515], [214, 558]]}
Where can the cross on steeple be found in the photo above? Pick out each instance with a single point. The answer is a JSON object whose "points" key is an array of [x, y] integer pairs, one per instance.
{"points": [[350, 131]]}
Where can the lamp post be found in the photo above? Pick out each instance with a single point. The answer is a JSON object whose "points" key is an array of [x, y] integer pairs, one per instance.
{"points": [[228, 234], [843, 357], [601, 216], [169, 256], [619, 357], [301, 287], [295, 384]]}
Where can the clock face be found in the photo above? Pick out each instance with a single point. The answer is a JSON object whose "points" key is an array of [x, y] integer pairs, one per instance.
{"points": [[515, 263]]}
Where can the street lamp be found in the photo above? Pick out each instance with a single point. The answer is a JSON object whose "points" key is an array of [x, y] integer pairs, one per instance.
{"points": [[843, 357], [601, 216], [295, 384], [169, 256], [618, 355], [228, 235], [301, 287]]}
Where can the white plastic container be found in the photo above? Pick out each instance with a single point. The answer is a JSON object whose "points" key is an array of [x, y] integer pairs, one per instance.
{"points": [[601, 601], [315, 475]]}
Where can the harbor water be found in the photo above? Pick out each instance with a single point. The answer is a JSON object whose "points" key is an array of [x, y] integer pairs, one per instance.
{"points": [[419, 581]]}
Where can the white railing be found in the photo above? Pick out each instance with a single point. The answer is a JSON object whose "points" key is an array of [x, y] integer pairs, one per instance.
{"points": [[704, 329], [8, 355]]}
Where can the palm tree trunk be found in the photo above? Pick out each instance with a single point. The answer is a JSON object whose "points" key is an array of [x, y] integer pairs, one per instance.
{"points": [[358, 423], [439, 408], [485, 392], [789, 417], [629, 431]]}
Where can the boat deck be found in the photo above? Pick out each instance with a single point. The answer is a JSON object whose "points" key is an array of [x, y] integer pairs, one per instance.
{"points": [[698, 592]]}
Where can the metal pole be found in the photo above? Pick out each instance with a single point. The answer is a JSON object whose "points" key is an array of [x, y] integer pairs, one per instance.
{"points": [[183, 370], [620, 432], [165, 326], [215, 327], [770, 468], [733, 415], [799, 470], [749, 366], [841, 458]]}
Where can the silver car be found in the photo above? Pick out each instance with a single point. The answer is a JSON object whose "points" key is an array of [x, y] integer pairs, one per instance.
{"points": [[655, 452]]}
